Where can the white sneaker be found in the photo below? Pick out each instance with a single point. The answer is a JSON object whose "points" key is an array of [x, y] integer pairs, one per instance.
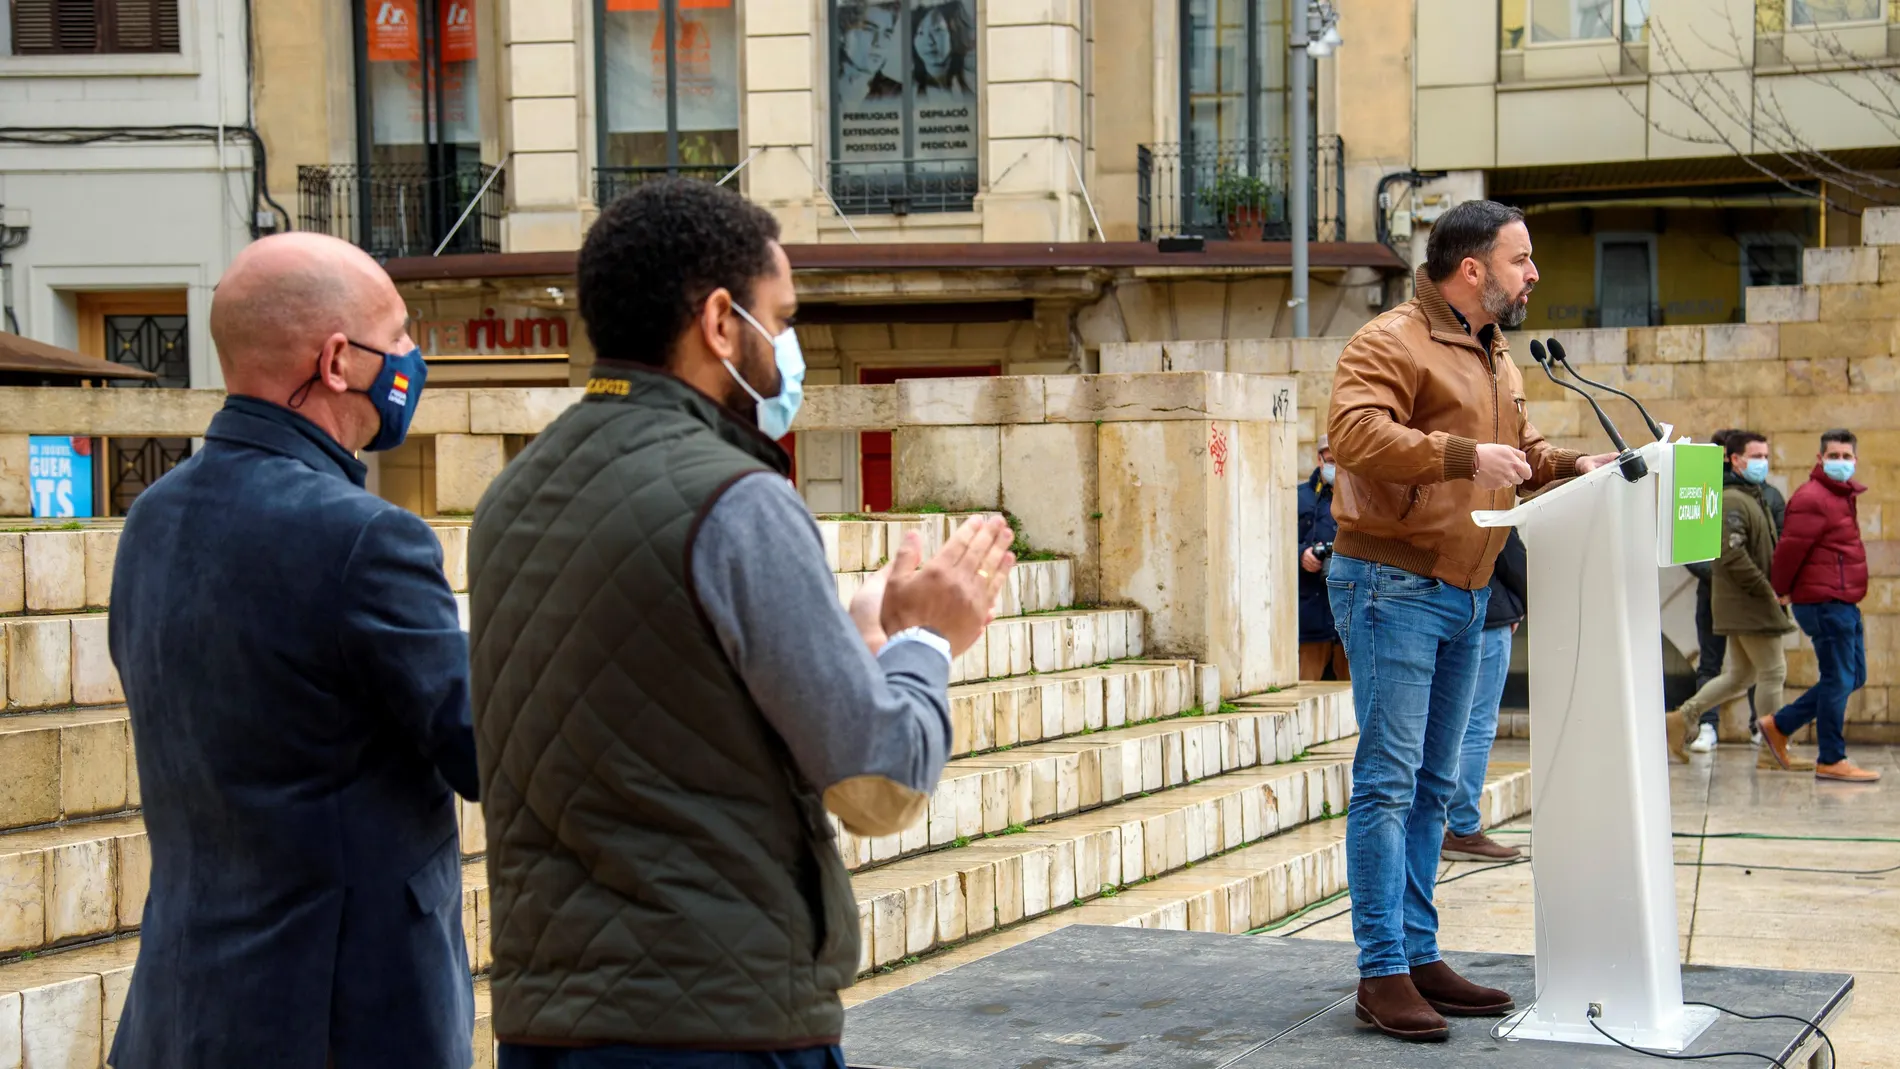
{"points": [[1704, 739], [1754, 735]]}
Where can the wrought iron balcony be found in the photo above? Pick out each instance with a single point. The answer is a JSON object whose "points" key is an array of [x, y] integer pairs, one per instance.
{"points": [[901, 187], [402, 209], [1236, 190], [612, 183]]}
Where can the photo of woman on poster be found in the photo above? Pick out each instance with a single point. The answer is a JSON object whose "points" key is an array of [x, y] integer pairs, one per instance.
{"points": [[943, 42]]}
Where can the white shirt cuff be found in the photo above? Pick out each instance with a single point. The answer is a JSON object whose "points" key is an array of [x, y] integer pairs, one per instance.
{"points": [[921, 635]]}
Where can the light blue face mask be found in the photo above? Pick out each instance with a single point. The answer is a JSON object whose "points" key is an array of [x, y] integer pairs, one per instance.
{"points": [[1838, 470], [1327, 473], [776, 413], [1756, 470]]}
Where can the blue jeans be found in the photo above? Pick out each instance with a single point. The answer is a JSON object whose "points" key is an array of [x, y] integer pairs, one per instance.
{"points": [[1481, 730], [1840, 644], [1412, 643], [514, 1056]]}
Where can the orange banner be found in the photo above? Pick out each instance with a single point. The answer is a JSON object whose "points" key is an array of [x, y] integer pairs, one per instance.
{"points": [[392, 31], [458, 31]]}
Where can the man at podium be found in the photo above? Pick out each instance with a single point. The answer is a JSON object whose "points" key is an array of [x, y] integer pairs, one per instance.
{"points": [[1427, 426]]}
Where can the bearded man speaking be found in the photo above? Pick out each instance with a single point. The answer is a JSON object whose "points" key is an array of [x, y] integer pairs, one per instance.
{"points": [[1427, 426]]}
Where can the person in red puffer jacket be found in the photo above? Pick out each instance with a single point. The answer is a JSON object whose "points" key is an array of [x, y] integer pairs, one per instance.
{"points": [[1821, 565]]}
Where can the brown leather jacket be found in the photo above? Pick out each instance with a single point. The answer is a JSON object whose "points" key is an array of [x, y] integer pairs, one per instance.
{"points": [[1413, 398]]}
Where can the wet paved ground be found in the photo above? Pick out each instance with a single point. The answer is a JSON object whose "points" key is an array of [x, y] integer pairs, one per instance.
{"points": [[1735, 909]]}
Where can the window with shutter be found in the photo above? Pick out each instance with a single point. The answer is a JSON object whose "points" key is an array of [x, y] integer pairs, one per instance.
{"points": [[87, 27]]}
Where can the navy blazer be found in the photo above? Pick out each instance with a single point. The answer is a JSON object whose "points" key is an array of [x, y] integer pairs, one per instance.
{"points": [[298, 686]]}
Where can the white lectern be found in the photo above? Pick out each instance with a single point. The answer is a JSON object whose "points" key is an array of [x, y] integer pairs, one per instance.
{"points": [[1603, 865]]}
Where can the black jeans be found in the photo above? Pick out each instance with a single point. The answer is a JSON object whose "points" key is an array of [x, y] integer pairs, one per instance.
{"points": [[1714, 647]]}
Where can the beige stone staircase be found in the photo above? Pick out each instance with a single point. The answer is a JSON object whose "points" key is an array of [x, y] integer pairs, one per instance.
{"points": [[1090, 783]]}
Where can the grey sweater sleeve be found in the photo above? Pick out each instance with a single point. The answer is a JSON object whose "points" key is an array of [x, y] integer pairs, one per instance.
{"points": [[871, 733]]}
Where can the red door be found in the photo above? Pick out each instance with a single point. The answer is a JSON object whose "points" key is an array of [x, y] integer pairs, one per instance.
{"points": [[874, 447]]}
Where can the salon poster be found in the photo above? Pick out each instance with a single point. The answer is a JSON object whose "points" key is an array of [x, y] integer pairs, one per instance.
{"points": [[904, 81]]}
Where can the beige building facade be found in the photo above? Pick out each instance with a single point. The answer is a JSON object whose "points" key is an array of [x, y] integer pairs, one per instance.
{"points": [[1669, 153], [965, 187]]}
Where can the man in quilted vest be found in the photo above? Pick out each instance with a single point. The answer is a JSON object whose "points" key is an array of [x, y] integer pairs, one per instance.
{"points": [[669, 696], [1821, 565]]}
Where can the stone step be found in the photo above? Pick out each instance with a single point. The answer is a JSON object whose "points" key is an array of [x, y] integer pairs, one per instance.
{"points": [[1034, 708], [78, 763], [990, 793], [63, 1008], [53, 661], [86, 879], [1239, 891], [1052, 642], [74, 882], [864, 543], [912, 906], [1055, 641], [48, 569], [1037, 674], [1035, 586], [63, 765], [67, 567], [1060, 706]]}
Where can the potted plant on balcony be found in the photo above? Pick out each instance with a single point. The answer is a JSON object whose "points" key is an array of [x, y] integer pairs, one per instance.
{"points": [[1242, 202]]}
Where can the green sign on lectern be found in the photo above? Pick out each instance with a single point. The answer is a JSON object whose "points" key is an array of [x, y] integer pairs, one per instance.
{"points": [[1696, 497]]}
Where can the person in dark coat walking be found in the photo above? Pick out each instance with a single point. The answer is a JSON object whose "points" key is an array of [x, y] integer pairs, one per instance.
{"points": [[1465, 839], [1746, 610], [1708, 663], [1320, 648], [1821, 565], [298, 685]]}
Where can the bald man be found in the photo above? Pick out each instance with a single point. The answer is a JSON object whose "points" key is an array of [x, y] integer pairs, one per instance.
{"points": [[298, 685]]}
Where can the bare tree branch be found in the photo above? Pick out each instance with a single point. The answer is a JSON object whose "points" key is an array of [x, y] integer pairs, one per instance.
{"points": [[1756, 128]]}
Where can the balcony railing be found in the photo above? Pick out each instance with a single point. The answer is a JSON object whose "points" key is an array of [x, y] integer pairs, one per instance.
{"points": [[612, 183], [402, 209], [1236, 190], [901, 187]]}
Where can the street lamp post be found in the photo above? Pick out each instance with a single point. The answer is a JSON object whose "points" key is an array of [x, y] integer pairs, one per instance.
{"points": [[1314, 32]]}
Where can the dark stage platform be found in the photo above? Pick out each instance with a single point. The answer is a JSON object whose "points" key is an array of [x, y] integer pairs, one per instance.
{"points": [[1129, 998]]}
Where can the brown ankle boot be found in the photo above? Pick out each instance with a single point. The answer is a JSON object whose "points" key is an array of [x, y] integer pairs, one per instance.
{"points": [[1674, 728], [1393, 1006], [1775, 744], [1455, 996]]}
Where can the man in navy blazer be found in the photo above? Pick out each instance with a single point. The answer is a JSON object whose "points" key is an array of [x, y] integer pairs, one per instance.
{"points": [[298, 685]]}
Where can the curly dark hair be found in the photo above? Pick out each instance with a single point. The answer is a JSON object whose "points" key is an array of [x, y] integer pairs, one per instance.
{"points": [[655, 254]]}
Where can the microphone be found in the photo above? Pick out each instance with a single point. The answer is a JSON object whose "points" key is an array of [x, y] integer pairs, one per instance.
{"points": [[1557, 354], [1628, 462]]}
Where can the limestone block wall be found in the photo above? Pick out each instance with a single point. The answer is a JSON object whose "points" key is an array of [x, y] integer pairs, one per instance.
{"points": [[1174, 493]]}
